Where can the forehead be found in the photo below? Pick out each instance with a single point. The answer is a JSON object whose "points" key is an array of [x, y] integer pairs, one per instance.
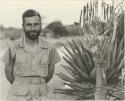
{"points": [[33, 19]]}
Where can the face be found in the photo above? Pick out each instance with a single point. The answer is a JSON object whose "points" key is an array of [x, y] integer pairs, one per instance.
{"points": [[32, 27]]}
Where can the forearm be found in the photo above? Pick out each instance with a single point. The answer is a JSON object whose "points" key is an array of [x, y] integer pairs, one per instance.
{"points": [[9, 73], [50, 73]]}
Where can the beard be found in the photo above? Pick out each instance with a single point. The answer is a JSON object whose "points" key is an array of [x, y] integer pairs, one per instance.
{"points": [[32, 35]]}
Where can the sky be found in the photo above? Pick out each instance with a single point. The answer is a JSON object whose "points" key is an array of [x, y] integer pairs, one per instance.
{"points": [[66, 11]]}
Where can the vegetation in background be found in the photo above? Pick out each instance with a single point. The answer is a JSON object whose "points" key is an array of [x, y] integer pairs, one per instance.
{"points": [[81, 65], [75, 30], [11, 33], [57, 28]]}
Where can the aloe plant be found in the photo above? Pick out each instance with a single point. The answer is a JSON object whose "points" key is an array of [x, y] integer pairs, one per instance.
{"points": [[81, 66], [82, 69]]}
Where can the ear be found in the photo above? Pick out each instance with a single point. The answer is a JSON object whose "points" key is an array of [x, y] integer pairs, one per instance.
{"points": [[41, 25], [22, 25]]}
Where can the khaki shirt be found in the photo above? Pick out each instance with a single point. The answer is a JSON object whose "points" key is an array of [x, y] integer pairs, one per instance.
{"points": [[31, 66], [32, 63]]}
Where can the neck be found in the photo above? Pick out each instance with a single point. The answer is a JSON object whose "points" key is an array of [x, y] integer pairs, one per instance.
{"points": [[32, 43]]}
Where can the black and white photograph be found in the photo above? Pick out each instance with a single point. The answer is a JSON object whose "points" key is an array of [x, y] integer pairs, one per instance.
{"points": [[62, 50]]}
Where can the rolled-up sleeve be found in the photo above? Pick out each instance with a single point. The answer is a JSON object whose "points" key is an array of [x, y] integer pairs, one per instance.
{"points": [[54, 56], [5, 57], [9, 54]]}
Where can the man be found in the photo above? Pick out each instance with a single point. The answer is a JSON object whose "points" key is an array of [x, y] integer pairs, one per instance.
{"points": [[29, 62]]}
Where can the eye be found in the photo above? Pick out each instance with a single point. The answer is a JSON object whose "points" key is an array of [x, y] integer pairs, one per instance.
{"points": [[28, 24], [36, 24]]}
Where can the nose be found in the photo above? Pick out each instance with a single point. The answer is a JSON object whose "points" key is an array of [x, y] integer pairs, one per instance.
{"points": [[33, 27]]}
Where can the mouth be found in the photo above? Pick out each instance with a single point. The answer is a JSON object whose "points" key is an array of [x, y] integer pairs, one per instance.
{"points": [[33, 33]]}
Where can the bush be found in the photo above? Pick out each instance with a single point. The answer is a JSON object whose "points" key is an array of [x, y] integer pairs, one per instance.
{"points": [[57, 28], [12, 33], [74, 30]]}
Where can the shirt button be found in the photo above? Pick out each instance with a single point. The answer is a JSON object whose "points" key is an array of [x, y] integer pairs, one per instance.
{"points": [[33, 71]]}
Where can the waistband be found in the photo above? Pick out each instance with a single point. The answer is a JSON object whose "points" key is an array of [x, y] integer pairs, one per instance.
{"points": [[30, 80]]}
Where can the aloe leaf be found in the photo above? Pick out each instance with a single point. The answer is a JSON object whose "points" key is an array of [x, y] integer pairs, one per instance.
{"points": [[86, 96], [76, 58], [70, 71], [120, 56], [87, 58], [81, 64], [118, 95], [69, 52], [83, 86], [93, 74], [114, 50], [66, 78], [90, 60], [104, 44], [81, 73], [107, 48], [72, 47], [63, 91], [78, 62], [71, 63], [121, 64], [74, 66], [73, 56], [76, 46], [75, 87], [120, 46], [110, 72]]}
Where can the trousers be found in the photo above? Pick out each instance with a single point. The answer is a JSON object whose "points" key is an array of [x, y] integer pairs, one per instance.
{"points": [[27, 92]]}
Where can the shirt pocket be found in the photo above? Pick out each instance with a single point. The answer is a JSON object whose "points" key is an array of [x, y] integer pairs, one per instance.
{"points": [[18, 89], [43, 68], [20, 66], [44, 90]]}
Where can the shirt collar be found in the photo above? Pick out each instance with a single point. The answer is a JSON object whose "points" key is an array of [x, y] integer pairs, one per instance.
{"points": [[42, 43]]}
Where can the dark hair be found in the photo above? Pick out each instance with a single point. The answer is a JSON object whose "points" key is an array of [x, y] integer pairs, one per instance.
{"points": [[30, 13]]}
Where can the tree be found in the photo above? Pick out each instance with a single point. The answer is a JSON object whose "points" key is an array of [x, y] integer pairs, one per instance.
{"points": [[57, 28]]}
